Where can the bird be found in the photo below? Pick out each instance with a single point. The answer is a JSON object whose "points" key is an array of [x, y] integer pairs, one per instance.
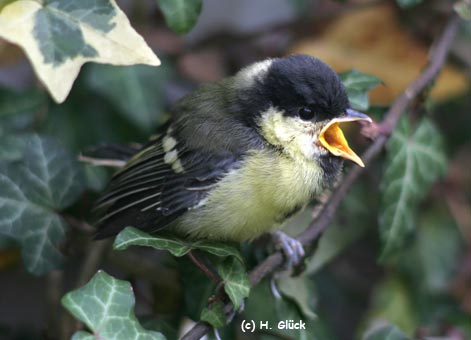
{"points": [[237, 157]]}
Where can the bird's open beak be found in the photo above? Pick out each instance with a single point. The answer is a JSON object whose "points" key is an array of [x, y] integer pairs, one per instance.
{"points": [[332, 138]]}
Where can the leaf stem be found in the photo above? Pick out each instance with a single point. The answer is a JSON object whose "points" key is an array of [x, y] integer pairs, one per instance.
{"points": [[205, 269]]}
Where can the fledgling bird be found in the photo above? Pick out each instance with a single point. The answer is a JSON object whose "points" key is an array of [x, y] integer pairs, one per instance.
{"points": [[238, 156]]}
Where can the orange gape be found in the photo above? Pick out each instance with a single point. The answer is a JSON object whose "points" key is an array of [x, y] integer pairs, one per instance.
{"points": [[332, 138]]}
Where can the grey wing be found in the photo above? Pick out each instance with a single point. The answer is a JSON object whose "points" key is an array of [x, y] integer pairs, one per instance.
{"points": [[158, 185]]}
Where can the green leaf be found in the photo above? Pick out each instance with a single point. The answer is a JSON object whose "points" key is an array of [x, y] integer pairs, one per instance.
{"points": [[214, 315], [335, 240], [217, 248], [408, 3], [12, 147], [357, 85], [176, 246], [18, 109], [82, 335], [437, 234], [415, 160], [356, 208], [264, 308], [49, 175], [463, 8], [135, 237], [180, 15], [137, 91], [169, 329], [392, 301], [197, 289], [44, 180], [301, 290], [59, 36], [106, 305], [236, 280], [384, 331], [78, 126], [97, 177]]}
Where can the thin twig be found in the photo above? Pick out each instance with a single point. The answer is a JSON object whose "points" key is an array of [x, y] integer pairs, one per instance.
{"points": [[113, 163], [93, 259], [54, 294], [437, 58], [201, 266]]}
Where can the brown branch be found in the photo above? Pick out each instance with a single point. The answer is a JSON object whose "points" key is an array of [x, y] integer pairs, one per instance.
{"points": [[309, 237]]}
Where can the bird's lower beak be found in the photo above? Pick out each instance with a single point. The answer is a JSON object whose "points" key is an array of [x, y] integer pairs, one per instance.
{"points": [[332, 138]]}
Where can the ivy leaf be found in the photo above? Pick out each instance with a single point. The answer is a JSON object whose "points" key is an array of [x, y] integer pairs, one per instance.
{"points": [[392, 301], [106, 305], [437, 234], [135, 237], [357, 85], [236, 280], [214, 315], [177, 247], [197, 289], [356, 207], [82, 335], [137, 91], [59, 36], [17, 109], [266, 309], [415, 160], [218, 248], [97, 177], [46, 179], [384, 331], [180, 15], [48, 174], [12, 147], [463, 8], [301, 290]]}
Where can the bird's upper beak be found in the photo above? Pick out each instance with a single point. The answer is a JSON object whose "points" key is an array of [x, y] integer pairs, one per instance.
{"points": [[332, 138]]}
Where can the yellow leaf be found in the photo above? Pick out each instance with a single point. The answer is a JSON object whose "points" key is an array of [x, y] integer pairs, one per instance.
{"points": [[61, 35], [373, 41]]}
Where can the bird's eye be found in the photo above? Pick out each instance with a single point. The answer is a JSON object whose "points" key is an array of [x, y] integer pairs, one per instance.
{"points": [[305, 113]]}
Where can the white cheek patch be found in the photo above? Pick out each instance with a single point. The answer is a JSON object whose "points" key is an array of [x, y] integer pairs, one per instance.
{"points": [[296, 136]]}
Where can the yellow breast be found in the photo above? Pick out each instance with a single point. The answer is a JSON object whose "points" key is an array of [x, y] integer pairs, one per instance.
{"points": [[254, 198]]}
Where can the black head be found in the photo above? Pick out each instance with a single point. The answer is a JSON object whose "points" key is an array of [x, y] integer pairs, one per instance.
{"points": [[305, 86], [298, 85], [297, 103]]}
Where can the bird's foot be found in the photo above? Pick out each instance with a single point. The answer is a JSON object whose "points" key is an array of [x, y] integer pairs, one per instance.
{"points": [[233, 312], [291, 248]]}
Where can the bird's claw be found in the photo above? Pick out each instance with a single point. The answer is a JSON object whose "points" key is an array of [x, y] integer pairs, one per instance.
{"points": [[291, 248], [233, 312]]}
